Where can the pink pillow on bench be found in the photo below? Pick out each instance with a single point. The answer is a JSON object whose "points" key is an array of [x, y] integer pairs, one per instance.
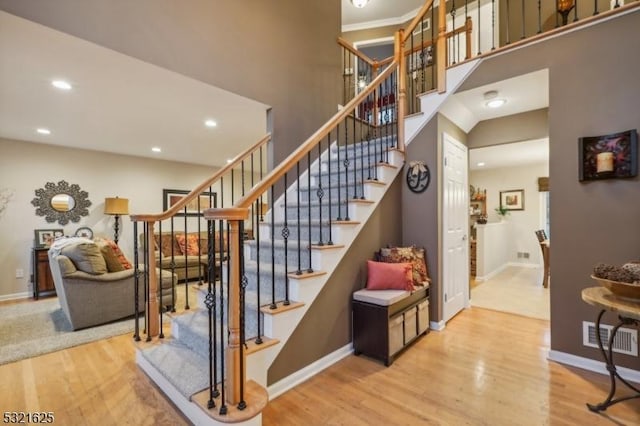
{"points": [[389, 276]]}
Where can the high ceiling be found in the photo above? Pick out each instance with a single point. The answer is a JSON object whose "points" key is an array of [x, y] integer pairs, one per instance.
{"points": [[378, 13], [117, 104]]}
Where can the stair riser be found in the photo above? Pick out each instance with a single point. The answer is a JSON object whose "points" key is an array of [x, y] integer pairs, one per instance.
{"points": [[336, 179], [380, 143], [343, 190], [318, 233], [336, 211], [279, 253]]}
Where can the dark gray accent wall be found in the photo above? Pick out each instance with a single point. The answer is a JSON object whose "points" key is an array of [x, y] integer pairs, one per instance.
{"points": [[420, 211], [327, 325], [594, 221], [512, 128], [280, 52]]}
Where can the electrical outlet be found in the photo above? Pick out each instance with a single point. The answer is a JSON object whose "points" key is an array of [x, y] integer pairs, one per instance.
{"points": [[348, 71], [19, 273], [525, 255]]}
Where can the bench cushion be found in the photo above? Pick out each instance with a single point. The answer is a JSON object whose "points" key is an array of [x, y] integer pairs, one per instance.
{"points": [[380, 297]]}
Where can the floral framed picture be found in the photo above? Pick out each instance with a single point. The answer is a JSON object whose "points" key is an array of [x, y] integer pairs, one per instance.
{"points": [[45, 237], [512, 200]]}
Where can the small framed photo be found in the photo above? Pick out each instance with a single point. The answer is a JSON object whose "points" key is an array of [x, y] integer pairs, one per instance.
{"points": [[196, 207], [45, 237], [512, 200]]}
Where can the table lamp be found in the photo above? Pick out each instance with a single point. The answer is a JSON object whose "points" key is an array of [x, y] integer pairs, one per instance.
{"points": [[116, 207]]}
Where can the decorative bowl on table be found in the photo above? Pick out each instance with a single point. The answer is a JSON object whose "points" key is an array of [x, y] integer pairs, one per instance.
{"points": [[620, 289]]}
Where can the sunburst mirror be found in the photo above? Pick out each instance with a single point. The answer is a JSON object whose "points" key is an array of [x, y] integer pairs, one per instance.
{"points": [[61, 202]]}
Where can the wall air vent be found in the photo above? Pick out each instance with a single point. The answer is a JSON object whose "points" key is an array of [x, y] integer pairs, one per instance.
{"points": [[625, 342], [423, 25]]}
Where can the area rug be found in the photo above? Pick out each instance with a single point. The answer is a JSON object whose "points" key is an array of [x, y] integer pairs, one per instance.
{"points": [[34, 328]]}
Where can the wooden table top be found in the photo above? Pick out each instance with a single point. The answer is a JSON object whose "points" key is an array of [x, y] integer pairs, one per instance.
{"points": [[603, 298]]}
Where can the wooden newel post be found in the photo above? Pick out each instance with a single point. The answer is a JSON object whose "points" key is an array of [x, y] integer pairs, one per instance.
{"points": [[441, 48], [402, 86], [152, 311], [234, 375]]}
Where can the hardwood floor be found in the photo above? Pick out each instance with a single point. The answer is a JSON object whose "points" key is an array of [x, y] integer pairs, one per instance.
{"points": [[486, 368]]}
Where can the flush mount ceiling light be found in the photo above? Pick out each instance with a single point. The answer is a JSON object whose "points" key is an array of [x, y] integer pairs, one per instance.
{"points": [[61, 84], [481, 164], [359, 3], [492, 99], [210, 123], [43, 131], [156, 149]]}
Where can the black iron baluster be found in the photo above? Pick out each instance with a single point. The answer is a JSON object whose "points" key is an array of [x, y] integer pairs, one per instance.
{"points": [[339, 167], [200, 266], [368, 157], [146, 249], [257, 240], [210, 302], [285, 236], [223, 406], [454, 38], [493, 25], [186, 270], [243, 288], [595, 7], [433, 52], [273, 252], [161, 335], [508, 24], [136, 284], [362, 150], [309, 269], [423, 68], [261, 200], [353, 152], [330, 242], [299, 271], [478, 30], [523, 22], [410, 80], [320, 194], [346, 172], [345, 75], [575, 12], [173, 266], [540, 16]]}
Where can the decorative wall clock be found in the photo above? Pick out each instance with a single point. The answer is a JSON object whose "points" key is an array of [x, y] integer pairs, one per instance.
{"points": [[418, 176]]}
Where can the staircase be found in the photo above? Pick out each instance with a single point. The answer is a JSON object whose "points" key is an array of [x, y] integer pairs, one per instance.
{"points": [[180, 364]]}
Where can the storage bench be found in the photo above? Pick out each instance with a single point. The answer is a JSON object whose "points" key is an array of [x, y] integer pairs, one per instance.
{"points": [[387, 321]]}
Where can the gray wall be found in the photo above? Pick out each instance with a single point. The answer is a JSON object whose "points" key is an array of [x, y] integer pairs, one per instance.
{"points": [[327, 325], [280, 52], [595, 221], [512, 128]]}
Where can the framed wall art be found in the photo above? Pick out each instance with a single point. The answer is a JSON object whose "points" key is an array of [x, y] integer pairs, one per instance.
{"points": [[512, 200], [609, 156], [171, 197], [46, 237]]}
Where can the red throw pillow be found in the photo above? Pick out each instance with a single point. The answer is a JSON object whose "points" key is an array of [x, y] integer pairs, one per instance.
{"points": [[389, 276], [188, 244]]}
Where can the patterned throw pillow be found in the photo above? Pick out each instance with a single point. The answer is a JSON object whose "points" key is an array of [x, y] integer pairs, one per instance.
{"points": [[113, 256], [188, 244], [413, 255]]}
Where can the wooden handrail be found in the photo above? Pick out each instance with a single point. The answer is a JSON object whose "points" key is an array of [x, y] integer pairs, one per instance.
{"points": [[351, 48], [202, 187], [421, 13], [270, 179]]}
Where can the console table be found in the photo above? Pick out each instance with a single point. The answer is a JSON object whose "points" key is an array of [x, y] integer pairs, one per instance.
{"points": [[387, 321], [628, 314], [42, 279]]}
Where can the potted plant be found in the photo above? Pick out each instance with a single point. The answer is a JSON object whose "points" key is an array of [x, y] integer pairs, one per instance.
{"points": [[502, 212]]}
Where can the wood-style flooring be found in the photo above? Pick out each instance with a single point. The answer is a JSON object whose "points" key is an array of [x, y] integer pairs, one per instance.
{"points": [[485, 368]]}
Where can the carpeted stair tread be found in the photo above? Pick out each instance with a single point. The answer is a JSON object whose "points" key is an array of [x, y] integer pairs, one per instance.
{"points": [[181, 366]]}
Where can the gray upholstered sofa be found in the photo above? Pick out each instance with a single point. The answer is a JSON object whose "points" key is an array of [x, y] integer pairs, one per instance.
{"points": [[89, 299]]}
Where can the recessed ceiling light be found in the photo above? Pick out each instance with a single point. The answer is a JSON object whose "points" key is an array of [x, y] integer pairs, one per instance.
{"points": [[229, 160], [481, 164], [210, 123], [156, 149], [61, 84], [43, 131], [496, 103]]}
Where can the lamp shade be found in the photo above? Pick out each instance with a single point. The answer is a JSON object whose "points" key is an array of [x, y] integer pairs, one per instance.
{"points": [[116, 206]]}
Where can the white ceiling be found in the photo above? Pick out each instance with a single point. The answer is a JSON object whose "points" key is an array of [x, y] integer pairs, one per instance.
{"points": [[510, 154], [378, 13], [118, 104]]}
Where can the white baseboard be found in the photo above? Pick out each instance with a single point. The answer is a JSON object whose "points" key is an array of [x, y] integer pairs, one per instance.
{"points": [[492, 273], [15, 296], [309, 371], [437, 325], [525, 265], [592, 365]]}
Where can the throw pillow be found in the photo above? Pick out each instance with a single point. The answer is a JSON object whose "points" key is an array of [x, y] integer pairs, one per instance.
{"points": [[113, 256], [413, 255], [86, 257], [389, 276], [188, 244]]}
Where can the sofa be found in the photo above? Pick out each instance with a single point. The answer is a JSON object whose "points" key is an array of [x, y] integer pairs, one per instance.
{"points": [[185, 255], [89, 293]]}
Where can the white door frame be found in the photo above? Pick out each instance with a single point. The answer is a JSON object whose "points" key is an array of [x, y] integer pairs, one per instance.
{"points": [[447, 138]]}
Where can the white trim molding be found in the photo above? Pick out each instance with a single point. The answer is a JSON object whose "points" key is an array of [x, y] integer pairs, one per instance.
{"points": [[398, 20], [14, 296], [592, 365], [437, 325], [304, 374]]}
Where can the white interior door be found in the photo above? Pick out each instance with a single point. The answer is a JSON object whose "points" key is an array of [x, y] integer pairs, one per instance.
{"points": [[455, 223]]}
